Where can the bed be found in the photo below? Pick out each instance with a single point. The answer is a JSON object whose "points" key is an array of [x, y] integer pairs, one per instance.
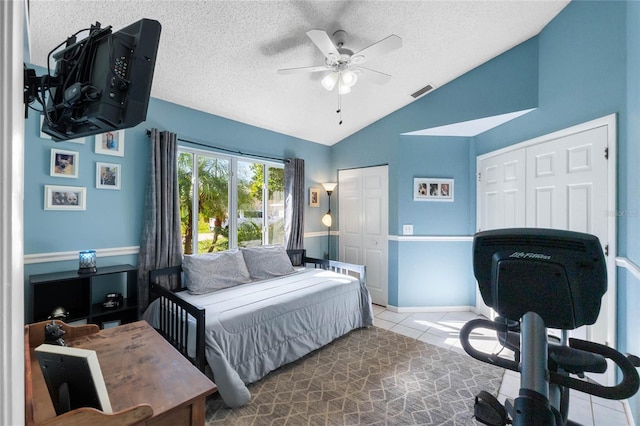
{"points": [[243, 331]]}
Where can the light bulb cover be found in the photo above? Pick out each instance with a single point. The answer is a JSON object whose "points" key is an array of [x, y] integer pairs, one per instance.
{"points": [[329, 81], [326, 219], [343, 89], [349, 77]]}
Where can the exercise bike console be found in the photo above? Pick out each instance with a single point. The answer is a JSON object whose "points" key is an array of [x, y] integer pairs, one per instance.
{"points": [[537, 279]]}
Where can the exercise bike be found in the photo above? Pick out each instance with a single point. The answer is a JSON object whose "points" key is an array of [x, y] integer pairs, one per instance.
{"points": [[537, 279]]}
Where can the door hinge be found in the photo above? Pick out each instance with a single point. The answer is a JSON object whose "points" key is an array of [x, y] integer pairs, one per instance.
{"points": [[479, 177], [606, 153], [606, 250]]}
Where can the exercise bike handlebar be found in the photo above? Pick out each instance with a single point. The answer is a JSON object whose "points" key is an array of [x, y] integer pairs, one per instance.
{"points": [[625, 389], [483, 356]]}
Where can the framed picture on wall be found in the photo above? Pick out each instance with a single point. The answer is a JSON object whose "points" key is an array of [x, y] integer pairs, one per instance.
{"points": [[107, 176], [65, 197], [432, 189], [64, 163], [110, 143], [314, 197]]}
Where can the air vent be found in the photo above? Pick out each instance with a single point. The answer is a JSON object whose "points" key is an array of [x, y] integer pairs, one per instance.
{"points": [[422, 91]]}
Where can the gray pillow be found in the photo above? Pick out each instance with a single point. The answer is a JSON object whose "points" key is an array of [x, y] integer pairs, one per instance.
{"points": [[209, 272], [267, 262]]}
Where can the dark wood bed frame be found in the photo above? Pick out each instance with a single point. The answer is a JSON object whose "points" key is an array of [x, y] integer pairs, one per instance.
{"points": [[174, 310]]}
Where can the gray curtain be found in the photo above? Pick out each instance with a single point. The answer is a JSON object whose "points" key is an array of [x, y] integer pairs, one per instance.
{"points": [[294, 204], [161, 242]]}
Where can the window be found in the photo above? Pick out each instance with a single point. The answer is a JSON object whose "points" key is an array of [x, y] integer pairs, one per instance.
{"points": [[228, 202]]}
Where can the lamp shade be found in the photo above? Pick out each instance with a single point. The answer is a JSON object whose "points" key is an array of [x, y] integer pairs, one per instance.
{"points": [[329, 186], [329, 81], [349, 77], [343, 89], [326, 219]]}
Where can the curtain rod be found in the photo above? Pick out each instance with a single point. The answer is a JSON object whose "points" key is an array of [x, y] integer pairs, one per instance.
{"points": [[284, 160]]}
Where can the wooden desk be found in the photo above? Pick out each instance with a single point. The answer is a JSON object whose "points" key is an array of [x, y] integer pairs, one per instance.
{"points": [[139, 367]]}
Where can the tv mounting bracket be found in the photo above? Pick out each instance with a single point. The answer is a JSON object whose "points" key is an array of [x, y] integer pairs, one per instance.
{"points": [[35, 86]]}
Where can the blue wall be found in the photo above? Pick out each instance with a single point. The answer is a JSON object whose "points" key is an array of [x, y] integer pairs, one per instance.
{"points": [[505, 84], [101, 225], [422, 156]]}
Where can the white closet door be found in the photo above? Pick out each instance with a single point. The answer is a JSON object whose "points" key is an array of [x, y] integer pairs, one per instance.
{"points": [[567, 189], [502, 191], [558, 181], [501, 199], [364, 223], [350, 216], [375, 231]]}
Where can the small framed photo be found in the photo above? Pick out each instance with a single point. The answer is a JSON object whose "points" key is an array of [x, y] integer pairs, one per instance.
{"points": [[107, 176], [65, 197], [43, 135], [432, 189], [64, 163], [314, 197], [110, 143]]}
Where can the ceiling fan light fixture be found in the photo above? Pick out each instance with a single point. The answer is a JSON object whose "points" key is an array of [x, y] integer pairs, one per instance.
{"points": [[349, 77], [343, 89], [329, 81], [338, 60]]}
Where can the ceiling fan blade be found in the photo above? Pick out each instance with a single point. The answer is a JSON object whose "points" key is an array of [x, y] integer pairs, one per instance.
{"points": [[374, 76], [380, 48], [324, 43], [318, 68]]}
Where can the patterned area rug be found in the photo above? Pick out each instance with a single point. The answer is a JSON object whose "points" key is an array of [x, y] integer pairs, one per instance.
{"points": [[370, 377]]}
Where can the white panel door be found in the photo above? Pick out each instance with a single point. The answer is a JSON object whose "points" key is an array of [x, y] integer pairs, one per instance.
{"points": [[350, 216], [570, 185], [501, 183], [363, 219], [375, 233], [567, 189], [501, 199]]}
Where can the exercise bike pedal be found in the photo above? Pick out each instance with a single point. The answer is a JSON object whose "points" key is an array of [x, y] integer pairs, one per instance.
{"points": [[488, 410]]}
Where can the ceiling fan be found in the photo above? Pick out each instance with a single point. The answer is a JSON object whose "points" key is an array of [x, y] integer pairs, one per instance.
{"points": [[343, 66]]}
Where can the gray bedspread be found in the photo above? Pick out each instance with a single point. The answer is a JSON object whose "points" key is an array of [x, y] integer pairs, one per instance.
{"points": [[254, 328]]}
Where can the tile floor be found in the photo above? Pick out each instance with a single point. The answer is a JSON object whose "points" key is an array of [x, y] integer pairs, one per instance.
{"points": [[442, 328]]}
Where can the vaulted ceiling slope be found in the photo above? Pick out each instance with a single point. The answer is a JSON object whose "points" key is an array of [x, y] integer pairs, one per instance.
{"points": [[222, 57]]}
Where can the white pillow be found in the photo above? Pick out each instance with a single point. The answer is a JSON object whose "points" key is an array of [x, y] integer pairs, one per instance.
{"points": [[267, 262], [209, 272]]}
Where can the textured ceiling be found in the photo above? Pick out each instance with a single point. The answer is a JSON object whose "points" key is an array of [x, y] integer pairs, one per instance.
{"points": [[222, 57]]}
